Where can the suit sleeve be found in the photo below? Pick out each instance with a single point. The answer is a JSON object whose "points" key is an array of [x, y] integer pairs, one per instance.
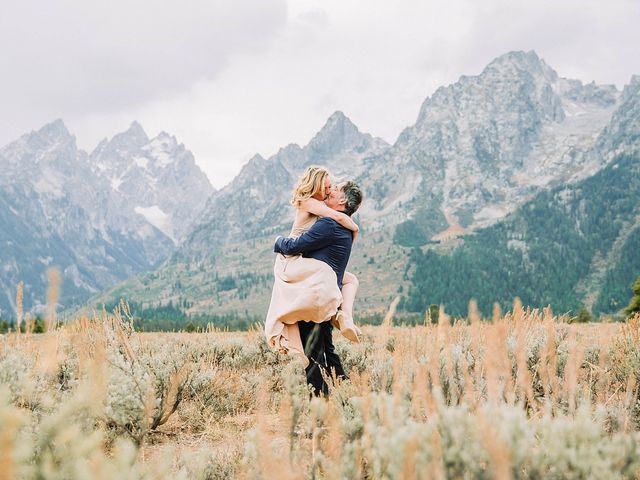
{"points": [[319, 235]]}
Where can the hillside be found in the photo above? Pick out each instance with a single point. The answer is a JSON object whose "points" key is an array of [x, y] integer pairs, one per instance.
{"points": [[479, 150], [571, 247]]}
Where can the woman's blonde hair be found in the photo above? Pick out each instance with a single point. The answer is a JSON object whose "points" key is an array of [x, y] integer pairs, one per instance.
{"points": [[310, 184]]}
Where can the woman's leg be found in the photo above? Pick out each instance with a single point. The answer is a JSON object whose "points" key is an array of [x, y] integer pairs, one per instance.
{"points": [[350, 286], [344, 316]]}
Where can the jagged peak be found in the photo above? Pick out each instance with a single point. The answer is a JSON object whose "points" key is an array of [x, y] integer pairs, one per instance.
{"points": [[337, 116], [52, 134], [337, 132], [633, 86], [132, 138], [291, 148], [165, 136], [528, 61], [506, 66], [255, 161], [57, 128], [517, 57], [165, 140], [338, 122], [101, 146], [631, 91], [136, 129], [248, 170]]}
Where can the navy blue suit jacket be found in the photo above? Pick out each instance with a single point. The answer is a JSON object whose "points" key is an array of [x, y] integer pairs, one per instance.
{"points": [[326, 240]]}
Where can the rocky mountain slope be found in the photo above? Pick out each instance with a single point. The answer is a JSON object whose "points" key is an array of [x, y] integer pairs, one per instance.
{"points": [[574, 246], [480, 149], [256, 202], [486, 144], [224, 264], [98, 218], [157, 177]]}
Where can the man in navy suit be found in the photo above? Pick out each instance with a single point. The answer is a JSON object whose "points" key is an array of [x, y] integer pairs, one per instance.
{"points": [[329, 242]]}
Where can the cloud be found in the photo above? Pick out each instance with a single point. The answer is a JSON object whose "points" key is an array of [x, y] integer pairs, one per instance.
{"points": [[69, 57], [583, 39], [232, 79]]}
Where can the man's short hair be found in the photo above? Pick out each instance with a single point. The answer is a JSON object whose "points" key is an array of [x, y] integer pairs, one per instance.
{"points": [[353, 194]]}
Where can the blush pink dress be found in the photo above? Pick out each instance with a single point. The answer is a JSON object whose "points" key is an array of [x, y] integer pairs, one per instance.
{"points": [[304, 289]]}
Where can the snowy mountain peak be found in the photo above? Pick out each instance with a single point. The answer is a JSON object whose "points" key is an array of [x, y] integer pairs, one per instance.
{"points": [[100, 218], [164, 150], [114, 156], [165, 141]]}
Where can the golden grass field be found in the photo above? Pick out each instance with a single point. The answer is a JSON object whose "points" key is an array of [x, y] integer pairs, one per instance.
{"points": [[522, 396]]}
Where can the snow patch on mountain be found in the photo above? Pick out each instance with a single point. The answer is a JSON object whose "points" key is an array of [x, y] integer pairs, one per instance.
{"points": [[115, 183], [160, 148], [142, 162], [156, 217]]}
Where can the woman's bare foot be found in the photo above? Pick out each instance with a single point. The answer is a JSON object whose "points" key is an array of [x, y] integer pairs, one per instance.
{"points": [[347, 327]]}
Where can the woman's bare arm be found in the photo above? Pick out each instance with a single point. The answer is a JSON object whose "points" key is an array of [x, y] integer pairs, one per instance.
{"points": [[319, 208]]}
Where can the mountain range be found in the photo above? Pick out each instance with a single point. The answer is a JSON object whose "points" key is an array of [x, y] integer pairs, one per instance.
{"points": [[573, 246], [99, 218], [512, 182]]}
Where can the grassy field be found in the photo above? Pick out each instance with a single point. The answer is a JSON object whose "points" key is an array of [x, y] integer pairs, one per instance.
{"points": [[523, 396]]}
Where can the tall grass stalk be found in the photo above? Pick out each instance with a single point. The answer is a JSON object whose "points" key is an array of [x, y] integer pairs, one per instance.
{"points": [[524, 395]]}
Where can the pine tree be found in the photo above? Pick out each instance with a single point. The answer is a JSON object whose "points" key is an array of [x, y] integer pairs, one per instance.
{"points": [[434, 313], [583, 316], [634, 305]]}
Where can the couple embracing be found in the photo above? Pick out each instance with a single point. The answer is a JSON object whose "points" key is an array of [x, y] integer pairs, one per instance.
{"points": [[312, 291]]}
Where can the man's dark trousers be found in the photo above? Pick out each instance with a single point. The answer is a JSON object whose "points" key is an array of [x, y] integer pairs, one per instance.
{"points": [[318, 347]]}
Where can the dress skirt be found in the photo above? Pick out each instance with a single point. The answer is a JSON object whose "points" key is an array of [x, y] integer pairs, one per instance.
{"points": [[304, 289]]}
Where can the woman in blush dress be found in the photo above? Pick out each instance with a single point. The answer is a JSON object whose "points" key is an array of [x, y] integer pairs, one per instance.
{"points": [[306, 289]]}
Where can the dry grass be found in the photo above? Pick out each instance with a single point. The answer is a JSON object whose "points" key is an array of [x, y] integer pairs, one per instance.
{"points": [[525, 396]]}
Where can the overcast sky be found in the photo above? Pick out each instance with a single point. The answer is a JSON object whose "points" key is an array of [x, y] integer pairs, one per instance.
{"points": [[232, 78]]}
